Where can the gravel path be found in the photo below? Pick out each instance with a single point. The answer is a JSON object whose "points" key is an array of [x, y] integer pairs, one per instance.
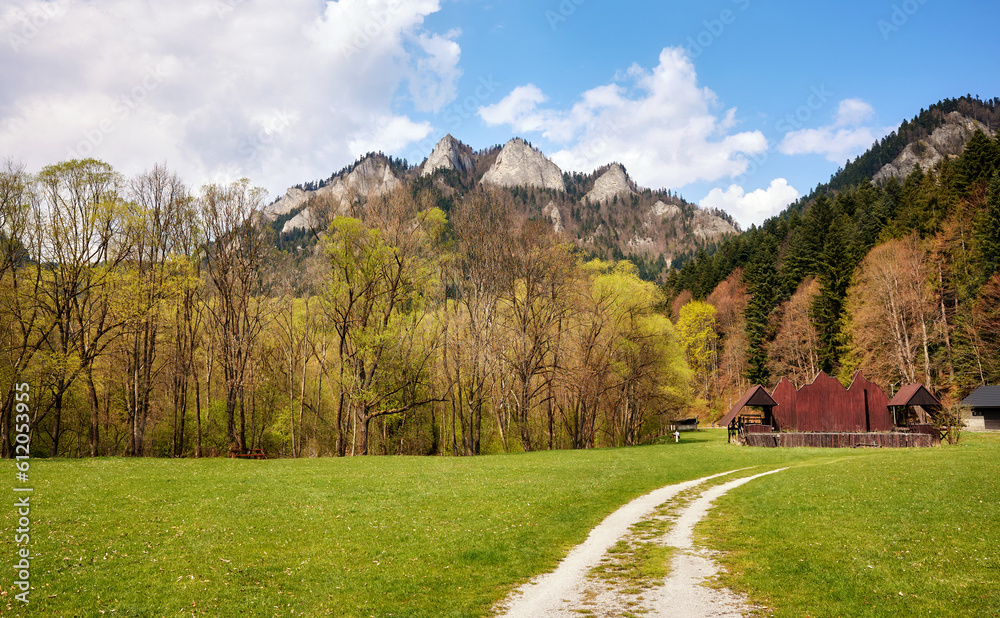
{"points": [[567, 591]]}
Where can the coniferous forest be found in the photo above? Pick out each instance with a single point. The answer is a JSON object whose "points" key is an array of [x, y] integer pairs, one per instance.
{"points": [[896, 278]]}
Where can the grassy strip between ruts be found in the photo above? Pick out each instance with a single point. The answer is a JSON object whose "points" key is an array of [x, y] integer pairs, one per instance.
{"points": [[899, 533], [641, 559]]}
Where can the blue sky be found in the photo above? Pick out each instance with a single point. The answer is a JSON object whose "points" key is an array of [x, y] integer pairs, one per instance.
{"points": [[739, 104]]}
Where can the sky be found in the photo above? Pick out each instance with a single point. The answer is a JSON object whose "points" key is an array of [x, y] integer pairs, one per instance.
{"points": [[742, 105]]}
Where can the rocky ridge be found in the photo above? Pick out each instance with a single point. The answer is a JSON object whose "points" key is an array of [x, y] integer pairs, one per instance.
{"points": [[372, 176], [604, 213], [946, 141], [552, 212]]}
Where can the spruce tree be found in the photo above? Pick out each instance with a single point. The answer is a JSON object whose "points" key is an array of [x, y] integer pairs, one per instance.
{"points": [[835, 270], [761, 279], [988, 231]]}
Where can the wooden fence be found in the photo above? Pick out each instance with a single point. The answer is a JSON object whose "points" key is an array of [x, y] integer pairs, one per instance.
{"points": [[840, 440]]}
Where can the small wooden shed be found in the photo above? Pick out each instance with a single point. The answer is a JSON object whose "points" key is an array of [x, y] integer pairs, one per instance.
{"points": [[738, 418], [684, 424], [915, 396], [985, 405]]}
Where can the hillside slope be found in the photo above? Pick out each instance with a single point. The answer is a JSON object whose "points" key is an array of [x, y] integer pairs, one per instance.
{"points": [[893, 267]]}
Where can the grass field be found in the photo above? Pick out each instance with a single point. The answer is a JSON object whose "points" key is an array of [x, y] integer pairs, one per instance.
{"points": [[899, 533], [450, 536]]}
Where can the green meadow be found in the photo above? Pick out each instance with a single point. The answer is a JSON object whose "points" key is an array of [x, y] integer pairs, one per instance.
{"points": [[911, 532], [842, 532]]}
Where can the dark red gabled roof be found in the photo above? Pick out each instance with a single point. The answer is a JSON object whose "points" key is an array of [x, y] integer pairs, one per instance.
{"points": [[756, 396], [914, 395]]}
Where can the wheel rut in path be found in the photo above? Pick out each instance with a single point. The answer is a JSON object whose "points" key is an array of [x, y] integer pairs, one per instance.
{"points": [[569, 591]]}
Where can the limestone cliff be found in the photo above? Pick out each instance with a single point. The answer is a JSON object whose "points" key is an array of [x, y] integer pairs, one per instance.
{"points": [[372, 176], [520, 165], [448, 154], [612, 183], [946, 141]]}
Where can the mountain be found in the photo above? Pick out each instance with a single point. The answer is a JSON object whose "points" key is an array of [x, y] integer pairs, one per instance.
{"points": [[604, 213], [893, 267], [612, 183], [520, 165], [449, 154], [911, 132], [946, 141], [937, 137], [300, 207]]}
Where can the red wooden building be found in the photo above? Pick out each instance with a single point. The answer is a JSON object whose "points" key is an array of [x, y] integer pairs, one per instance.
{"points": [[861, 415]]}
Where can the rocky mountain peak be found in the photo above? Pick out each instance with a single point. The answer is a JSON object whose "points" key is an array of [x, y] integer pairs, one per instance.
{"points": [[946, 141], [448, 154], [371, 176], [520, 165], [614, 182]]}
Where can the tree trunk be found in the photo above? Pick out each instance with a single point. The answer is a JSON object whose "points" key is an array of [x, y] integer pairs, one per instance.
{"points": [[57, 419], [95, 421], [197, 408]]}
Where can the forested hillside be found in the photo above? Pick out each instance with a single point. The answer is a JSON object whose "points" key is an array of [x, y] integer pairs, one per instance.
{"points": [[898, 278]]}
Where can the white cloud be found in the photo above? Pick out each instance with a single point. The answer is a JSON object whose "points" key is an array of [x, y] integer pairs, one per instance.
{"points": [[754, 207], [840, 141], [434, 81], [280, 94], [659, 123], [852, 112], [518, 109]]}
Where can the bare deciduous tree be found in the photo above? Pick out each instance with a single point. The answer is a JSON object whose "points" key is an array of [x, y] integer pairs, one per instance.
{"points": [[85, 240], [238, 246]]}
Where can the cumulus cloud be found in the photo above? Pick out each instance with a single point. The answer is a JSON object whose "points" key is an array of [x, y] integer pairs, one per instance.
{"points": [[659, 123], [755, 207], [221, 88], [852, 112], [840, 141]]}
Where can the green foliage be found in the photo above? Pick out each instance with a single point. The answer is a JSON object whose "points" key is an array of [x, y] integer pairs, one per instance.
{"points": [[763, 285], [835, 269], [696, 330], [988, 230], [952, 207]]}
